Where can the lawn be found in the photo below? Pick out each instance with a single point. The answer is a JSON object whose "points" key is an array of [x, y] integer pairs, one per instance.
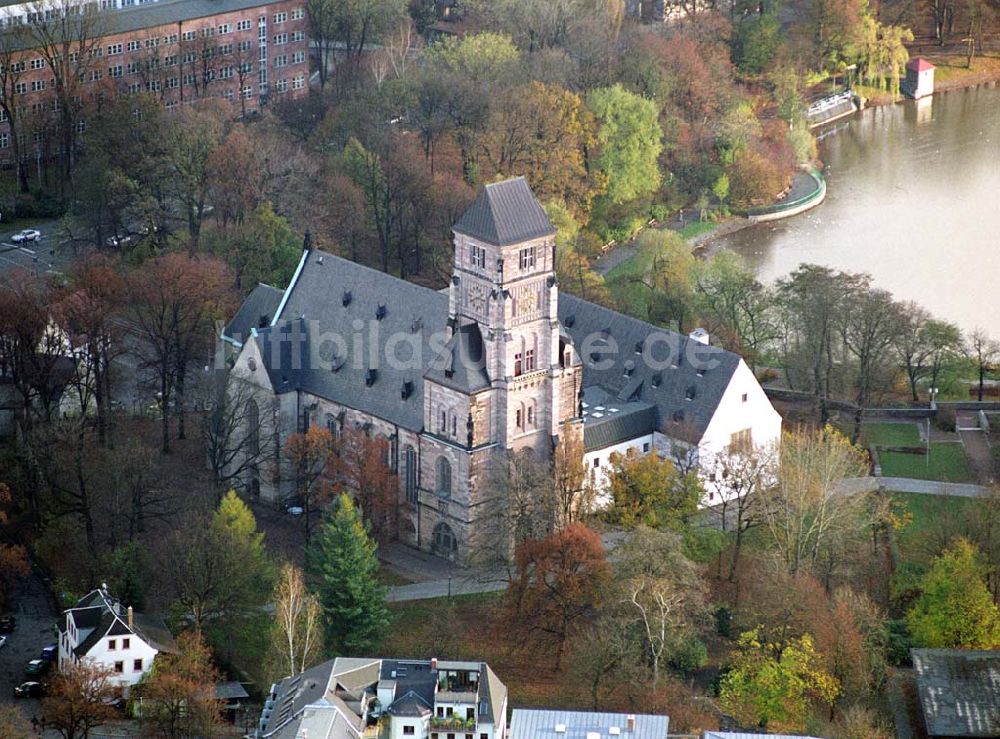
{"points": [[947, 463], [890, 434], [626, 282], [696, 228], [947, 459]]}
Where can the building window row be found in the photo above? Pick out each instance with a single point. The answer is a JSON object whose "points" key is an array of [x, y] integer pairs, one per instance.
{"points": [[298, 14], [280, 17]]}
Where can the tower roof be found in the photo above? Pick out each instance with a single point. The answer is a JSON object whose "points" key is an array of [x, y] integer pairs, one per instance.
{"points": [[505, 213]]}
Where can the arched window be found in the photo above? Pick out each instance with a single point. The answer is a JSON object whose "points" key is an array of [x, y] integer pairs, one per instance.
{"points": [[443, 477], [445, 543], [253, 428]]}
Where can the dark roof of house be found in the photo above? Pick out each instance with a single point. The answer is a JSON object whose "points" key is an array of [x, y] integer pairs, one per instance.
{"points": [[107, 617], [505, 213], [230, 691], [462, 363], [541, 724], [330, 300], [959, 691], [608, 421], [410, 676], [256, 312], [410, 704], [293, 694], [683, 378]]}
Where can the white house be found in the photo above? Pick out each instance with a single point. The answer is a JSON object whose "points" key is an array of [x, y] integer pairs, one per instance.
{"points": [[101, 629], [372, 698]]}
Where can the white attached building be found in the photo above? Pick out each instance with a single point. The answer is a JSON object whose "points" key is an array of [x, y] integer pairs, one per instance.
{"points": [[362, 698], [101, 629]]}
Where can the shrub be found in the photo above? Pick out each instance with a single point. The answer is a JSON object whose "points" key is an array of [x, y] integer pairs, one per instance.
{"points": [[945, 419], [690, 655], [724, 621], [38, 205], [659, 211], [803, 144]]}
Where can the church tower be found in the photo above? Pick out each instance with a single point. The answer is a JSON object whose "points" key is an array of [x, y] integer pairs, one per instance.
{"points": [[504, 281], [509, 377]]}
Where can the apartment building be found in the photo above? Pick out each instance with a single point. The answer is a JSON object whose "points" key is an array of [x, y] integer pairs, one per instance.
{"points": [[372, 698], [181, 51]]}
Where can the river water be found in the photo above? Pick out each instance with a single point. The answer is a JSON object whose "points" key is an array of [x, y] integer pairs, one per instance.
{"points": [[913, 199]]}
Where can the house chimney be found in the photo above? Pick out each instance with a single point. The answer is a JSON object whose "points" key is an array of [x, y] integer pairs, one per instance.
{"points": [[130, 617], [630, 723], [700, 335], [434, 664]]}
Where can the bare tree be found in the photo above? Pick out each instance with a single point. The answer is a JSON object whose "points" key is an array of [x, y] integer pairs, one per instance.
{"points": [[233, 431], [298, 618], [12, 69], [984, 351], [69, 37]]}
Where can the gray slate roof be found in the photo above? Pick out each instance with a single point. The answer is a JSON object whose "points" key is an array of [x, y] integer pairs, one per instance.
{"points": [[256, 312], [293, 694], [317, 302], [607, 421], [462, 365], [959, 691], [541, 724], [683, 378], [505, 213], [106, 617]]}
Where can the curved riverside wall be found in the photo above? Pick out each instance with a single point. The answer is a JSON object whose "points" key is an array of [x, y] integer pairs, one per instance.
{"points": [[787, 210]]}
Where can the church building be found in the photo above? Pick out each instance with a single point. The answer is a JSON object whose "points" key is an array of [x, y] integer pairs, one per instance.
{"points": [[499, 361]]}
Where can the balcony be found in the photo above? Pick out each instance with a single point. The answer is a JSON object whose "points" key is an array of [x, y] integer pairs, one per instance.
{"points": [[453, 723]]}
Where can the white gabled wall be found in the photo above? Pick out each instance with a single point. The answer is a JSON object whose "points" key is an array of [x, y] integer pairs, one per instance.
{"points": [[138, 649], [597, 475]]}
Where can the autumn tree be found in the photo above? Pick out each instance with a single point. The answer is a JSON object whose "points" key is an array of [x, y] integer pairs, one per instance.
{"points": [[79, 699], [773, 686], [67, 37], [519, 506], [647, 489], [175, 300], [311, 454], [361, 464], [217, 570], [924, 346], [178, 694], [662, 592], [807, 510], [297, 634], [343, 568], [235, 177], [543, 133], [629, 140], [955, 609], [737, 486], [13, 557], [15, 724], [573, 492], [88, 310], [560, 580], [755, 178]]}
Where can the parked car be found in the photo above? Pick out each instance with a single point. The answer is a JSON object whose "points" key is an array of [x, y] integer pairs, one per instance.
{"points": [[7, 624], [3, 641], [29, 689], [50, 653], [28, 234], [37, 668]]}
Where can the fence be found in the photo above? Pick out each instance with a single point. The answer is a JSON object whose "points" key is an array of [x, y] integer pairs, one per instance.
{"points": [[789, 208]]}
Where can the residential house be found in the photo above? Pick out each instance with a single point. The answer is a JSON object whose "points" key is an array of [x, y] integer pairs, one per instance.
{"points": [[100, 629], [362, 698]]}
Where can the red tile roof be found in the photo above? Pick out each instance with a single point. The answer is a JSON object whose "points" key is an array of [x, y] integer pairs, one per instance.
{"points": [[919, 64]]}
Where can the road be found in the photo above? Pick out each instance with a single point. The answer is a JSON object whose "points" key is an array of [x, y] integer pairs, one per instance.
{"points": [[40, 257], [32, 605]]}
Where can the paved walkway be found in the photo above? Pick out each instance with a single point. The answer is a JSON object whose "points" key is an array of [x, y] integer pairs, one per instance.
{"points": [[977, 446], [921, 487]]}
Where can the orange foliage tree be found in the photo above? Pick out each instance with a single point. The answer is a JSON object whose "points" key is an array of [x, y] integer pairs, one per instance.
{"points": [[310, 454], [179, 694], [79, 699], [560, 580], [13, 557]]}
